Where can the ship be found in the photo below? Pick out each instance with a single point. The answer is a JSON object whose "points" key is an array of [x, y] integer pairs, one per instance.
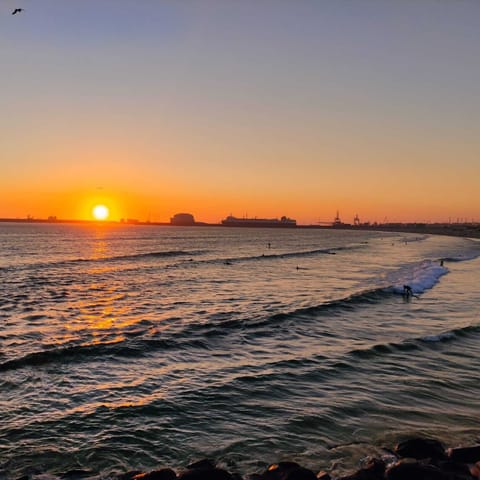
{"points": [[232, 221]]}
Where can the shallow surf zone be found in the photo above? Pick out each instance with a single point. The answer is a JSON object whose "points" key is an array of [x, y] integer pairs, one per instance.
{"points": [[152, 351], [420, 276]]}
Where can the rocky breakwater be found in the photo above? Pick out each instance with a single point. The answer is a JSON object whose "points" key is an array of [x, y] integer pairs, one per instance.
{"points": [[413, 459]]}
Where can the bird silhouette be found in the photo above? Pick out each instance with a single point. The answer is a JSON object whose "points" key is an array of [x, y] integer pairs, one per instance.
{"points": [[17, 10]]}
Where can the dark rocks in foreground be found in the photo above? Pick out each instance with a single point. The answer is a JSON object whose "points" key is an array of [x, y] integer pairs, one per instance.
{"points": [[162, 474], [465, 455], [420, 448], [414, 459]]}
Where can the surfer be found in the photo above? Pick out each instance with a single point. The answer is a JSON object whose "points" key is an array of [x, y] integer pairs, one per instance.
{"points": [[407, 291]]}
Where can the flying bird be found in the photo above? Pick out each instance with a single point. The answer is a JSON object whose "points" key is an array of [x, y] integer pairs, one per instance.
{"points": [[17, 10]]}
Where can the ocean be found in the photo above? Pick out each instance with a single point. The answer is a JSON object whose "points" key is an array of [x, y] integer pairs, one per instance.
{"points": [[128, 347]]}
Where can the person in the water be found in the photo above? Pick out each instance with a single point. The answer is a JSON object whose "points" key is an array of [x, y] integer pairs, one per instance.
{"points": [[407, 291]]}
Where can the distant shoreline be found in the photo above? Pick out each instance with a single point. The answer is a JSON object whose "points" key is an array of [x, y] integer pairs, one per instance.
{"points": [[469, 230], [449, 229]]}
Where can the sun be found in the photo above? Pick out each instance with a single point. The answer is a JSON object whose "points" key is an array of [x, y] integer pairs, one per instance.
{"points": [[100, 212]]}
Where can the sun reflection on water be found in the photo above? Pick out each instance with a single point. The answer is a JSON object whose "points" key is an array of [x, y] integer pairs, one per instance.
{"points": [[100, 245]]}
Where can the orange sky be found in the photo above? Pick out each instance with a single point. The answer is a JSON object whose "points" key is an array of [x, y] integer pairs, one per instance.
{"points": [[368, 108]]}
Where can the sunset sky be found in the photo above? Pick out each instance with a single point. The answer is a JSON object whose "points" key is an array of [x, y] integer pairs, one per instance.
{"points": [[246, 107]]}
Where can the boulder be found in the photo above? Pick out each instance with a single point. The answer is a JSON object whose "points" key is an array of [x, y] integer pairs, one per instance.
{"points": [[420, 448], [162, 474], [203, 464], [374, 470], [300, 473], [465, 455], [206, 474], [455, 470], [406, 470], [475, 470], [322, 475], [279, 471]]}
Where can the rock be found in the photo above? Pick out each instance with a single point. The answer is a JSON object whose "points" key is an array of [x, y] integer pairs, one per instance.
{"points": [[203, 464], [206, 474], [475, 470], [455, 470], [405, 470], [205, 470], [465, 455], [279, 471], [300, 473], [322, 475], [374, 470], [420, 448], [162, 474]]}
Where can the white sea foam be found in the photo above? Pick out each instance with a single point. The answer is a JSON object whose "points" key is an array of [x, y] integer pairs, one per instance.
{"points": [[438, 338], [419, 276]]}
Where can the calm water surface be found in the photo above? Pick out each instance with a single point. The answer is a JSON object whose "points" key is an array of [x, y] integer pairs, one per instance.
{"points": [[134, 347]]}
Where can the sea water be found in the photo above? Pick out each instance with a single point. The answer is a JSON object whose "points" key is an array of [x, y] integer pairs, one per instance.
{"points": [[135, 347]]}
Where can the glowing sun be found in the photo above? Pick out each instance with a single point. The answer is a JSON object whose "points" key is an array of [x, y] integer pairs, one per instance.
{"points": [[100, 212]]}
